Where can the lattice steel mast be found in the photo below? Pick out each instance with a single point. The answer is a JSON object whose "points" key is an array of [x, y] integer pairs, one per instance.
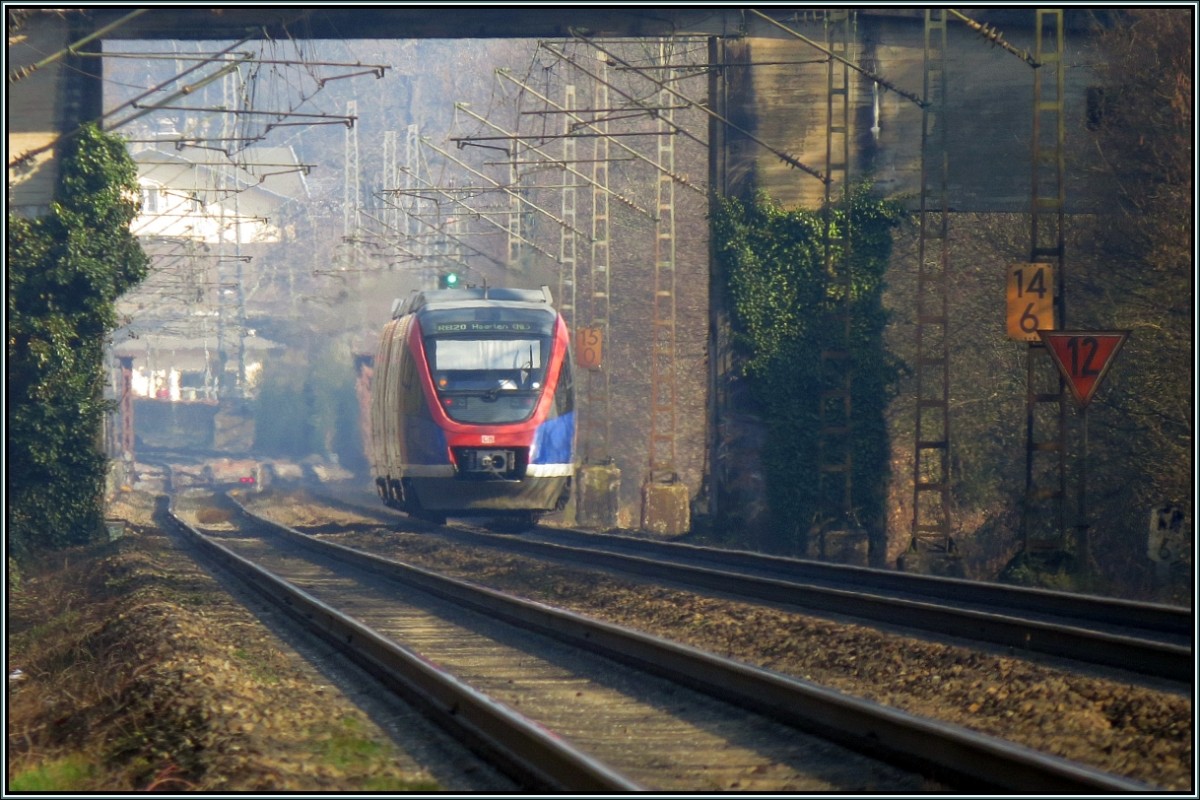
{"points": [[931, 449], [835, 443], [567, 270], [1045, 395], [598, 434], [662, 370]]}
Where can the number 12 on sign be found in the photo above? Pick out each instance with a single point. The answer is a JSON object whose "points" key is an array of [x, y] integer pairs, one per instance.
{"points": [[1030, 300], [1083, 358]]}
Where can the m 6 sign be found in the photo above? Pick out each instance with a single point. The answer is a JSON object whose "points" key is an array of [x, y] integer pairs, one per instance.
{"points": [[1030, 300], [1083, 357]]}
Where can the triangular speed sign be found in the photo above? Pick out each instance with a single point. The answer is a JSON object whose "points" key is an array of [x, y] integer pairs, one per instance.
{"points": [[1083, 357]]}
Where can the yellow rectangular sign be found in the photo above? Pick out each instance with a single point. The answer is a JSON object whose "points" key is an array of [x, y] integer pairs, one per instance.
{"points": [[1030, 293], [589, 347]]}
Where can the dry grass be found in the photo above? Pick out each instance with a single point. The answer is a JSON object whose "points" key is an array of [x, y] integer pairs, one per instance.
{"points": [[139, 673]]}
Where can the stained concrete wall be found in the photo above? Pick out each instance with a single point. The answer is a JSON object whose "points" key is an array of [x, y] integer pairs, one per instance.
{"points": [[34, 113], [162, 423], [988, 124]]}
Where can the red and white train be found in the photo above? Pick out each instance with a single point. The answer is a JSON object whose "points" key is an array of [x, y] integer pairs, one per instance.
{"points": [[473, 405]]}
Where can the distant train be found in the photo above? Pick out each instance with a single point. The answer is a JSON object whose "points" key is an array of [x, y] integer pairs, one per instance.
{"points": [[473, 405]]}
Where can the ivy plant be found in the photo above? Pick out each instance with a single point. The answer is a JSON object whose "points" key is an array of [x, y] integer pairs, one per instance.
{"points": [[65, 272], [785, 301]]}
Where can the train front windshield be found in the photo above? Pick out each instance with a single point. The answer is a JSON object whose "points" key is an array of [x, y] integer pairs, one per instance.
{"points": [[488, 365]]}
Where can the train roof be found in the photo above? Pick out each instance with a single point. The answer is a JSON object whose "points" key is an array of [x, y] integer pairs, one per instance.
{"points": [[434, 298]]}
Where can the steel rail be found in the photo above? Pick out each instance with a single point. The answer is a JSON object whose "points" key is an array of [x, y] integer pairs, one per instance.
{"points": [[1147, 638], [514, 743], [1081, 609], [945, 752], [1064, 639]]}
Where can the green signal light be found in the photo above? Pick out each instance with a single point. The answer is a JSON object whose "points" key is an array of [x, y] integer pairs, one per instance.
{"points": [[449, 280]]}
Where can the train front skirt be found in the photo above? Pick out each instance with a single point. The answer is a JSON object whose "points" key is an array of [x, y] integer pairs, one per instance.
{"points": [[533, 493]]}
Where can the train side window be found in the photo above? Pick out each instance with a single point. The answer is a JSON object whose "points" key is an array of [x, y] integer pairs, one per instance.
{"points": [[414, 398], [564, 395]]}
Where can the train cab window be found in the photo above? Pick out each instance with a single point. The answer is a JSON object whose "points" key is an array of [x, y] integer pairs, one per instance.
{"points": [[487, 380], [488, 364]]}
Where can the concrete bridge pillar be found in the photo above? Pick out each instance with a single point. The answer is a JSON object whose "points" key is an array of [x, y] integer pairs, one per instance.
{"points": [[51, 91]]}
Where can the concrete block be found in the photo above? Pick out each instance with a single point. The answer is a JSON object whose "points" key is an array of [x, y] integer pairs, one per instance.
{"points": [[840, 547], [115, 529], [599, 496], [665, 509]]}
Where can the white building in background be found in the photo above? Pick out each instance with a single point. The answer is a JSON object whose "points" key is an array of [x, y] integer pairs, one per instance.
{"points": [[181, 368], [203, 217], [203, 196]]}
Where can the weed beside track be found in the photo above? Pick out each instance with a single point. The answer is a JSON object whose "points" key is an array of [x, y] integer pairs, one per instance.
{"points": [[131, 669]]}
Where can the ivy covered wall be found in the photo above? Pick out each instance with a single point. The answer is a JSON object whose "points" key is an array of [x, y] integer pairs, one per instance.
{"points": [[782, 300]]}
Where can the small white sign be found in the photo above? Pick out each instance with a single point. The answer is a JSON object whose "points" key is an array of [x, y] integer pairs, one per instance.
{"points": [[1169, 529]]}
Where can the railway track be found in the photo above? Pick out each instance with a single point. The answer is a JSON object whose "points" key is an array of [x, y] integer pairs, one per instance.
{"points": [[1146, 638], [792, 711]]}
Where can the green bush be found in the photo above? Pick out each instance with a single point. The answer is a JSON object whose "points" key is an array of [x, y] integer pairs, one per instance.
{"points": [[65, 272], [783, 300]]}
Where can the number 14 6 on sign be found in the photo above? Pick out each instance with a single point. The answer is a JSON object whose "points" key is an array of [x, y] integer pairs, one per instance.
{"points": [[1030, 301]]}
